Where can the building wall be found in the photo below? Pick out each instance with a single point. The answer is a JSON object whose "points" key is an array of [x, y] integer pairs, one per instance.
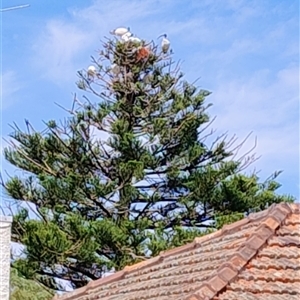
{"points": [[5, 236]]}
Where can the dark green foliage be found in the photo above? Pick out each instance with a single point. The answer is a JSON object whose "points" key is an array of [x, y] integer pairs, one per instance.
{"points": [[26, 289], [127, 176]]}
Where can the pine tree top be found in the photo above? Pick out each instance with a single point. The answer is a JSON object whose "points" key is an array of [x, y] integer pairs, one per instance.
{"points": [[133, 171]]}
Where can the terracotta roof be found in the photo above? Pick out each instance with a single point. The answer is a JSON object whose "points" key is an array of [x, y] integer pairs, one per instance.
{"points": [[255, 258]]}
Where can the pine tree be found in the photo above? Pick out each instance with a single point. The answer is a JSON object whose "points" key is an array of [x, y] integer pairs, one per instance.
{"points": [[128, 174]]}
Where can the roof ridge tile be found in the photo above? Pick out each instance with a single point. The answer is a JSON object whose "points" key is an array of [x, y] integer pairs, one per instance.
{"points": [[228, 271], [256, 216]]}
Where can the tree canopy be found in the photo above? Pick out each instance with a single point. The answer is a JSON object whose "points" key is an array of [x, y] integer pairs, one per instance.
{"points": [[133, 170]]}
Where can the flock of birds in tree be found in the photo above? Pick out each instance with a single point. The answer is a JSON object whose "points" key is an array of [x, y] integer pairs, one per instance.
{"points": [[126, 36]]}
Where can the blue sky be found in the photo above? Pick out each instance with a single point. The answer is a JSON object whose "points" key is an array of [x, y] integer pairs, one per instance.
{"points": [[246, 52]]}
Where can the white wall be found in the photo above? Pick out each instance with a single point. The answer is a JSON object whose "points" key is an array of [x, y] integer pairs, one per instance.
{"points": [[5, 235]]}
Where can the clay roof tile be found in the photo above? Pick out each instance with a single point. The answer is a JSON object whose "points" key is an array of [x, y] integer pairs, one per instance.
{"points": [[256, 256]]}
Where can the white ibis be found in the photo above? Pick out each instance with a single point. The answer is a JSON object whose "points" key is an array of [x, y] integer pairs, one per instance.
{"points": [[120, 31], [134, 39], [92, 71], [165, 43], [125, 37]]}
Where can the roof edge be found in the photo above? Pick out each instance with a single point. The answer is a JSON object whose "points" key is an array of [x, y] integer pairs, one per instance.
{"points": [[274, 216], [228, 271]]}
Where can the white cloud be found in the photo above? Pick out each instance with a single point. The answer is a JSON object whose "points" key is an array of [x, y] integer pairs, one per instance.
{"points": [[259, 101], [104, 14], [9, 87], [238, 48], [270, 110], [57, 47]]}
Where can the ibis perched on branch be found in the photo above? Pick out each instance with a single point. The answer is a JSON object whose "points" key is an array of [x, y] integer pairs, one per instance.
{"points": [[125, 37], [120, 31], [128, 37], [92, 71], [165, 43], [134, 39]]}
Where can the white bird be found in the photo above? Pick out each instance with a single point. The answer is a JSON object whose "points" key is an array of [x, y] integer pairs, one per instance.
{"points": [[120, 31], [134, 39], [125, 37], [115, 69], [165, 44], [92, 71]]}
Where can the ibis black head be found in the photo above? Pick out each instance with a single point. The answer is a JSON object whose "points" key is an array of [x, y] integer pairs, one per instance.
{"points": [[163, 35]]}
